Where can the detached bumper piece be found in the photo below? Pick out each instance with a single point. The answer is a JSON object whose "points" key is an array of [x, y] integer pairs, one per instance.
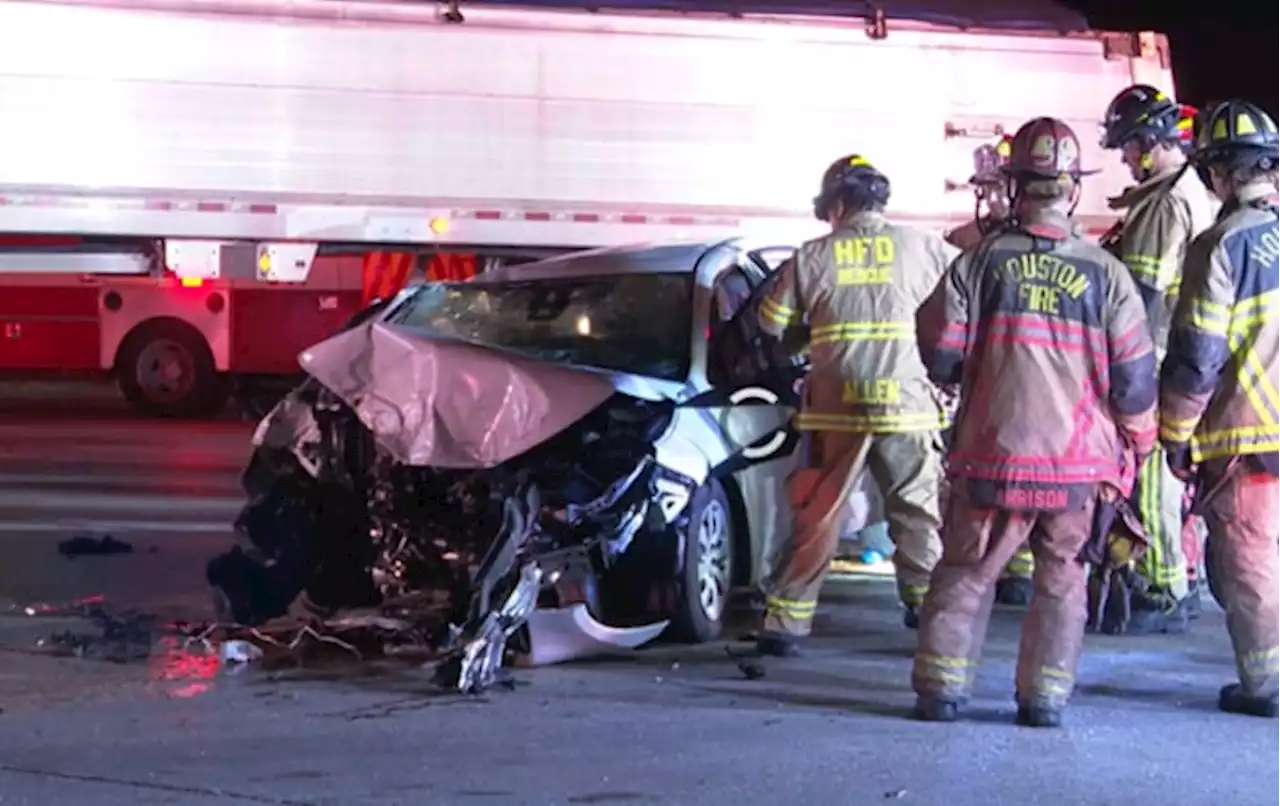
{"points": [[555, 554]]}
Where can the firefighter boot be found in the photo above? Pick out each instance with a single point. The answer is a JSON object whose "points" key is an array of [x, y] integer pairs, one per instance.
{"points": [[778, 645], [935, 709], [1039, 715], [1014, 591], [1233, 700], [911, 616], [1156, 611]]}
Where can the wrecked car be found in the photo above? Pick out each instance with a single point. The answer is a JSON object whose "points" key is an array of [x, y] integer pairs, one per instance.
{"points": [[584, 452]]}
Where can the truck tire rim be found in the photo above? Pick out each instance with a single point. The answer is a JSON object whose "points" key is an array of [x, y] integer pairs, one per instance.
{"points": [[165, 371], [713, 560]]}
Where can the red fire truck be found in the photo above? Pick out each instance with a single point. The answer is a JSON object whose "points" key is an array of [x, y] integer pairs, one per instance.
{"points": [[193, 191]]}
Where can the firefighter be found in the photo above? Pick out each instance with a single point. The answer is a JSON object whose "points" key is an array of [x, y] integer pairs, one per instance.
{"points": [[989, 197], [1219, 404], [867, 399], [1162, 214], [1046, 335], [990, 209]]}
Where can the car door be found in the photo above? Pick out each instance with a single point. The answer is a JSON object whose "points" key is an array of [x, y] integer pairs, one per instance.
{"points": [[752, 385], [761, 382]]}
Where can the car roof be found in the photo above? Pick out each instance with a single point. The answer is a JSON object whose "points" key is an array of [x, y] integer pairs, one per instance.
{"points": [[667, 257]]}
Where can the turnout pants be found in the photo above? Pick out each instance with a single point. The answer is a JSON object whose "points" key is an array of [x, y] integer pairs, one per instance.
{"points": [[906, 468], [1021, 566], [1158, 498], [1241, 555], [977, 544]]}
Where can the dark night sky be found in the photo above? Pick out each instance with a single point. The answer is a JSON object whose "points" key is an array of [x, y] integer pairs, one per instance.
{"points": [[1230, 51]]}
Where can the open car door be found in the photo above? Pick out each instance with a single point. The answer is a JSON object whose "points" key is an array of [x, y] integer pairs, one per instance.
{"points": [[754, 378]]}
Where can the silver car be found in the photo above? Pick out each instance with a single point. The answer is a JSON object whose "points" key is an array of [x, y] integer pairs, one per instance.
{"points": [[582, 452]]}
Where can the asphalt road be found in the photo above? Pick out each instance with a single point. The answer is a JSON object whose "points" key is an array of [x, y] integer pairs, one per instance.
{"points": [[668, 725]]}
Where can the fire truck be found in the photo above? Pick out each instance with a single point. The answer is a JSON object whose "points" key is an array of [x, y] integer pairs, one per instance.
{"points": [[194, 191]]}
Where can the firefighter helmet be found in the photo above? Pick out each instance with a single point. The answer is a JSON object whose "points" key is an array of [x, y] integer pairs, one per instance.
{"points": [[852, 179], [989, 162], [1045, 148], [1236, 134], [1141, 113]]}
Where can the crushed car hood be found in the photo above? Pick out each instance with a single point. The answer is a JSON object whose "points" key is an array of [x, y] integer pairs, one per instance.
{"points": [[449, 404]]}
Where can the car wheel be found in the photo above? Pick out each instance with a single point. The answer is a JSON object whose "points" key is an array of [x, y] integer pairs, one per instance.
{"points": [[165, 369], [705, 579]]}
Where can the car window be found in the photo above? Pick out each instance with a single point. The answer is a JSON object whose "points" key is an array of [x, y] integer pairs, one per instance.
{"points": [[731, 291], [634, 323], [772, 257]]}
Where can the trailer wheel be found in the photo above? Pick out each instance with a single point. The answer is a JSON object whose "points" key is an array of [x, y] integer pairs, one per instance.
{"points": [[165, 369]]}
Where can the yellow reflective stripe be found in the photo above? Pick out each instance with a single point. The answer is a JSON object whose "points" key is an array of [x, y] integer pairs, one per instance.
{"points": [[944, 668], [1022, 564], [1263, 383], [862, 331], [1146, 266], [1172, 430], [776, 312], [1055, 681], [1248, 315], [1230, 441], [879, 423], [1210, 317], [1259, 663], [1250, 378], [1149, 478], [790, 608]]}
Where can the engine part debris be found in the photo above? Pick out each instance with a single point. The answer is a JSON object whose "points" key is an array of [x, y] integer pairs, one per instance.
{"points": [[84, 546], [118, 638], [446, 566]]}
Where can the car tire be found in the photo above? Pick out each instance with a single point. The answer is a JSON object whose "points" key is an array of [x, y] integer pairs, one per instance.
{"points": [[165, 369], [702, 600]]}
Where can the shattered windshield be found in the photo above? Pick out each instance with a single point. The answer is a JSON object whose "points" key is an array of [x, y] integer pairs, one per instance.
{"points": [[634, 323]]}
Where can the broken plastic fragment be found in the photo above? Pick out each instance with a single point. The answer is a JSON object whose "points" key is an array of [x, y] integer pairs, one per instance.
{"points": [[239, 652]]}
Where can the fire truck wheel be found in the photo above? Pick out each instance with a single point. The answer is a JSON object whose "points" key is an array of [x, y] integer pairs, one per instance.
{"points": [[165, 369]]}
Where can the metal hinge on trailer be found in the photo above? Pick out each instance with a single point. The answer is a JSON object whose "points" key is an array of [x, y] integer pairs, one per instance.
{"points": [[975, 130], [1146, 46]]}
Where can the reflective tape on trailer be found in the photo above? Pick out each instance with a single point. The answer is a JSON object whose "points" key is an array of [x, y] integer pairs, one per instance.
{"points": [[442, 222], [375, 222]]}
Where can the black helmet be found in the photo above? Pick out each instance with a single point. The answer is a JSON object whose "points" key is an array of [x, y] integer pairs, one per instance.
{"points": [[1140, 112], [855, 181], [1237, 134]]}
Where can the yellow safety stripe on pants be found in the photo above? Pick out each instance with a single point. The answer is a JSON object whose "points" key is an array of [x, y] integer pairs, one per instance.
{"points": [[1259, 663], [790, 608], [1172, 430], [1055, 681], [945, 669], [773, 311], [872, 423], [862, 331], [912, 595], [1023, 564]]}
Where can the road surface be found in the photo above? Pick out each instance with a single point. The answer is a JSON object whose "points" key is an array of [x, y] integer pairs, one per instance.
{"points": [[671, 725]]}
